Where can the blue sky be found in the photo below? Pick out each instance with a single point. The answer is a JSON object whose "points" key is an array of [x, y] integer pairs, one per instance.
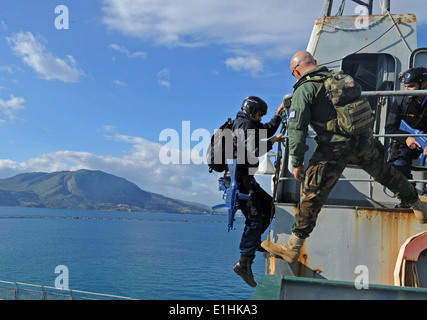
{"points": [[99, 94]]}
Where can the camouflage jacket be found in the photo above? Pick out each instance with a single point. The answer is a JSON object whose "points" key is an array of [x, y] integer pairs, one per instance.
{"points": [[310, 105]]}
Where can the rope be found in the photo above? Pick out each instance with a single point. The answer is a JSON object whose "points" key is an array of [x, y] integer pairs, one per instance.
{"points": [[398, 32], [363, 46], [276, 177]]}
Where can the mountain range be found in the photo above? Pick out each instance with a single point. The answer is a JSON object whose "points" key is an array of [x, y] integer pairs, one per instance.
{"points": [[87, 190]]}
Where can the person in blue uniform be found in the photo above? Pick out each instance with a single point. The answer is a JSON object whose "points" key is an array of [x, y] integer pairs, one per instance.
{"points": [[248, 144], [403, 150]]}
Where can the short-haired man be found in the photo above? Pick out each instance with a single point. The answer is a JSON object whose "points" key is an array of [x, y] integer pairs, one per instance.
{"points": [[334, 151]]}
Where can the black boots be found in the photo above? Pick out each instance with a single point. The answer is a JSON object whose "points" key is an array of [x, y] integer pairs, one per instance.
{"points": [[244, 269]]}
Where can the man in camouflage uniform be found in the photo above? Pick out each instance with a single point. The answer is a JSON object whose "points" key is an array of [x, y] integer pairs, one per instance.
{"points": [[310, 105]]}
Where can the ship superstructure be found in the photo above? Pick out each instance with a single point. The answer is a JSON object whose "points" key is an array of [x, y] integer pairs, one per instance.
{"points": [[360, 237]]}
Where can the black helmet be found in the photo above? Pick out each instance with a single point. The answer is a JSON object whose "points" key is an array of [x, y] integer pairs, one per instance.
{"points": [[251, 105], [417, 74]]}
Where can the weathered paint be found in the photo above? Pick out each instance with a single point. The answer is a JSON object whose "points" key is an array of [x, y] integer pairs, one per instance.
{"points": [[415, 247], [346, 237], [410, 267], [359, 225], [391, 227], [339, 20], [334, 38]]}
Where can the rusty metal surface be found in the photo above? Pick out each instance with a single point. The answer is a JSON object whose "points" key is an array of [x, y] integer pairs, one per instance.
{"points": [[415, 247], [347, 237], [359, 225], [329, 34], [343, 21]]}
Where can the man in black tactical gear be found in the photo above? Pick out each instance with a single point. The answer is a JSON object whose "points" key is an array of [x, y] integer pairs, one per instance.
{"points": [[403, 150], [248, 145]]}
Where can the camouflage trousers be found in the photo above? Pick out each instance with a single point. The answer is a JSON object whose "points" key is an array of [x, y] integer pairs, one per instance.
{"points": [[326, 166]]}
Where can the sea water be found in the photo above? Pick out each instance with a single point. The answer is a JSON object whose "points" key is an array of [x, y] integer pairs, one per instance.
{"points": [[139, 255]]}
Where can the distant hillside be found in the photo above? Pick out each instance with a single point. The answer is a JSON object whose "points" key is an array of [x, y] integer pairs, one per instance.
{"points": [[87, 190]]}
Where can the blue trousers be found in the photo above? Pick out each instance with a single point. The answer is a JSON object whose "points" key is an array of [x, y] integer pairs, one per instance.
{"points": [[401, 158], [257, 212], [403, 161]]}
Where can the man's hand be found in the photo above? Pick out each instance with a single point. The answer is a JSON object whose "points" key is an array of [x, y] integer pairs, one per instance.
{"points": [[280, 109], [299, 173], [412, 143], [279, 137]]}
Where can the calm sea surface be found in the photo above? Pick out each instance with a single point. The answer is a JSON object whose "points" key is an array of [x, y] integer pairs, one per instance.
{"points": [[139, 255]]}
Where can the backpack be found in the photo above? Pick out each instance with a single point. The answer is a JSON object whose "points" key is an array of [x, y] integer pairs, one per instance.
{"points": [[220, 148], [354, 114]]}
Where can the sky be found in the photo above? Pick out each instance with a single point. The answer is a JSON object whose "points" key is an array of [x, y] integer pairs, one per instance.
{"points": [[108, 84]]}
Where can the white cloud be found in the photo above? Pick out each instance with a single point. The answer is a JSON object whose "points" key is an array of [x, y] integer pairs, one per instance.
{"points": [[252, 65], [119, 83], [8, 69], [268, 27], [124, 50], [3, 26], [163, 77], [45, 63], [12, 106], [141, 165]]}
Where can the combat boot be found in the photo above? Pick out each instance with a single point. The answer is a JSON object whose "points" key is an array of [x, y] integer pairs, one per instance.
{"points": [[288, 251], [420, 211], [243, 268]]}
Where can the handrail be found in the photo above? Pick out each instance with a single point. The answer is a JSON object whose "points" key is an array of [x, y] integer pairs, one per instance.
{"points": [[19, 291], [388, 93], [397, 93], [352, 179]]}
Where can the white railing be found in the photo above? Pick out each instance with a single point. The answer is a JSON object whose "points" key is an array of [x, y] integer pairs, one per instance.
{"points": [[24, 291]]}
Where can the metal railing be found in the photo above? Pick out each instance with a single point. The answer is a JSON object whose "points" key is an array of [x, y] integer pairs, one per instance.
{"points": [[388, 93], [24, 291]]}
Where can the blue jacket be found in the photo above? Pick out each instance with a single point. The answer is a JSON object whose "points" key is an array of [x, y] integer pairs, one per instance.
{"points": [[249, 141]]}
